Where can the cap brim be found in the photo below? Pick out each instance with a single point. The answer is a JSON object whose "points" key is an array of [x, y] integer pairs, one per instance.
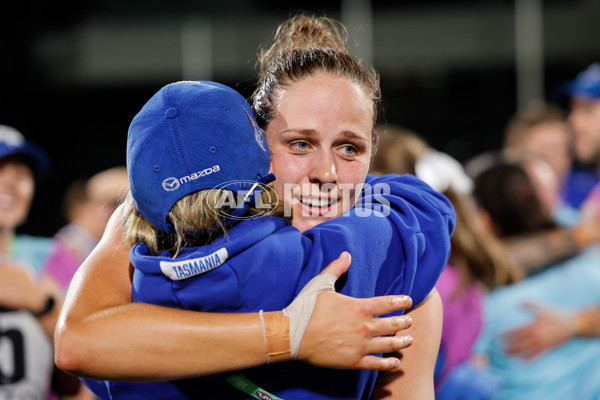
{"points": [[32, 155], [586, 85], [573, 89]]}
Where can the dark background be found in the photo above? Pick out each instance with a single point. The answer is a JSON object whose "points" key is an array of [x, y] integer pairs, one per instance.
{"points": [[69, 83]]}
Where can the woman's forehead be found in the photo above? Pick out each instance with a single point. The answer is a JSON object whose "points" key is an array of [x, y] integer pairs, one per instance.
{"points": [[327, 83], [326, 96]]}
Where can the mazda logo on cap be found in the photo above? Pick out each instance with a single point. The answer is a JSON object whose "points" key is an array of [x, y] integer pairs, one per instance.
{"points": [[170, 184]]}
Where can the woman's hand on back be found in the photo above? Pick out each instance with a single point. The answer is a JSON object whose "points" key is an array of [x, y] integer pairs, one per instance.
{"points": [[343, 331]]}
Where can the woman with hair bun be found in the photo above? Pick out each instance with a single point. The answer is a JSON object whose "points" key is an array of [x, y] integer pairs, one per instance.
{"points": [[317, 106]]}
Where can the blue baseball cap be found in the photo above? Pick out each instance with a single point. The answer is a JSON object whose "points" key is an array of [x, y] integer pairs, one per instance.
{"points": [[192, 136], [587, 84], [13, 143]]}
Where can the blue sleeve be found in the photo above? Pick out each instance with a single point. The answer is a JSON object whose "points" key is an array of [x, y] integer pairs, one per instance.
{"points": [[398, 234]]}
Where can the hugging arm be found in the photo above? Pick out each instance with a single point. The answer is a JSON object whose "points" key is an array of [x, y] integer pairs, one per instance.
{"points": [[414, 379], [102, 334], [550, 329], [535, 252]]}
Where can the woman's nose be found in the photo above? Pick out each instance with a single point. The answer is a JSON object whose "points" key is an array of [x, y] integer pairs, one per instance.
{"points": [[323, 170]]}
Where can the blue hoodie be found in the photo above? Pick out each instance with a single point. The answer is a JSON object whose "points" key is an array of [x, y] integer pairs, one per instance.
{"points": [[399, 242]]}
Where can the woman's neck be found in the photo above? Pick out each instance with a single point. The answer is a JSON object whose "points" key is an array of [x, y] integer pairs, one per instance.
{"points": [[6, 236]]}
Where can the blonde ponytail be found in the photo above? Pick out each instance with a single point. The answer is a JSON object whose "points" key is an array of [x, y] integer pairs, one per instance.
{"points": [[197, 219]]}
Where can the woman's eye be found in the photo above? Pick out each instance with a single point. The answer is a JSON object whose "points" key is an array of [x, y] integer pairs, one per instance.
{"points": [[301, 146], [349, 150]]}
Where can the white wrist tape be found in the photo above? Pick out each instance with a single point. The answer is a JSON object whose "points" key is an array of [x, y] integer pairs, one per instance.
{"points": [[300, 310]]}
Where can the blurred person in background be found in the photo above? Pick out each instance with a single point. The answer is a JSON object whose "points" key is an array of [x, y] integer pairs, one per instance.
{"points": [[530, 132], [585, 120], [551, 329], [535, 251], [88, 206], [30, 299], [477, 263], [541, 129], [547, 186], [510, 200]]}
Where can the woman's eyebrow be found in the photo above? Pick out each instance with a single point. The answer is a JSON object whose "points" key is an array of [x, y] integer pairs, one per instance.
{"points": [[354, 135], [305, 132], [311, 132]]}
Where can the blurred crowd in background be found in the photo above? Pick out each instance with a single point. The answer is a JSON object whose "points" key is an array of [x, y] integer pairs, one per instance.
{"points": [[520, 291]]}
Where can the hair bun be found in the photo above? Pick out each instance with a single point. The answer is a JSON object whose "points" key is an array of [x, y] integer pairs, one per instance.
{"points": [[303, 31], [303, 46]]}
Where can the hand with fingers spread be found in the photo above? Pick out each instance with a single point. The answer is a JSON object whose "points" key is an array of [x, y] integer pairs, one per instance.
{"points": [[549, 330], [343, 331]]}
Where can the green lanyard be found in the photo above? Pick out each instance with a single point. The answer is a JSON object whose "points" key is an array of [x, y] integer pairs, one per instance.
{"points": [[244, 384]]}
